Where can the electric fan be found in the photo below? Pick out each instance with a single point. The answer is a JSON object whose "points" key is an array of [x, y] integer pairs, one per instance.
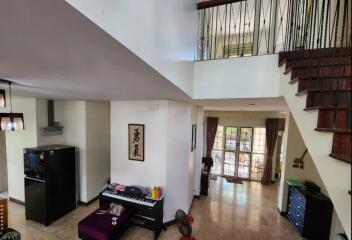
{"points": [[184, 225]]}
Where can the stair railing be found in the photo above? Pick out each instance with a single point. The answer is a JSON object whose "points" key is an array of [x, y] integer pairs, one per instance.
{"points": [[257, 27], [319, 33]]}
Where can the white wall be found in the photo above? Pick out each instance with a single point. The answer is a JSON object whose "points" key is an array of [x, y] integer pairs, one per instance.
{"points": [[199, 150], [153, 114], [168, 162], [180, 160], [244, 77], [16, 141], [161, 32], [97, 146]]}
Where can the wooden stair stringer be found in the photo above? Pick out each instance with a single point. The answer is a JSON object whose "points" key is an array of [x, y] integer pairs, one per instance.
{"points": [[336, 175]]}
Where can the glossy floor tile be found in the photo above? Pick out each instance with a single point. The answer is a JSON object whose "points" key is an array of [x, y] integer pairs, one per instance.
{"points": [[231, 212]]}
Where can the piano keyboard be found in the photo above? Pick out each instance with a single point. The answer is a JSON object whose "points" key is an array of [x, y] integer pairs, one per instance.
{"points": [[131, 198]]}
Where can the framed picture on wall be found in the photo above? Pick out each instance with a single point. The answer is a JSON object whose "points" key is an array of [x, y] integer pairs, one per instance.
{"points": [[136, 142], [194, 137]]}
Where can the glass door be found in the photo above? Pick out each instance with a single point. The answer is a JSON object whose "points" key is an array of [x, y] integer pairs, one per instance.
{"points": [[218, 152], [239, 151], [230, 151], [244, 153], [257, 167]]}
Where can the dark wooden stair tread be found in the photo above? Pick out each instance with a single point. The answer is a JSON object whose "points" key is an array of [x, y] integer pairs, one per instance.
{"points": [[341, 157], [334, 130], [328, 69], [332, 61], [300, 93], [325, 108], [309, 53]]}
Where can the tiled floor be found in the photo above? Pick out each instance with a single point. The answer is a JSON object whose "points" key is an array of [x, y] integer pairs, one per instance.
{"points": [[230, 212]]}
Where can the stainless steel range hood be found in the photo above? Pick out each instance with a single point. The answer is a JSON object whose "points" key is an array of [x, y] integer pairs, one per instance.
{"points": [[53, 127]]}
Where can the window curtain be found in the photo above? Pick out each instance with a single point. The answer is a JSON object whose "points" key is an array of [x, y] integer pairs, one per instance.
{"points": [[212, 125], [272, 125]]}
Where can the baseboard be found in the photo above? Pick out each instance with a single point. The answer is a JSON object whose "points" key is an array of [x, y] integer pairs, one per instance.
{"points": [[16, 201], [173, 221], [284, 214], [170, 223], [89, 202], [190, 207]]}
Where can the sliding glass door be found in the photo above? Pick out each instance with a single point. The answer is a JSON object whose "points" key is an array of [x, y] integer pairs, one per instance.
{"points": [[239, 151]]}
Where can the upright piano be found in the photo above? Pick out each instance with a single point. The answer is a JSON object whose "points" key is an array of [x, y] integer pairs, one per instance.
{"points": [[148, 213]]}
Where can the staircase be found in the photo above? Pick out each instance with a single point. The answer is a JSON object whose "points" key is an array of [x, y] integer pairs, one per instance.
{"points": [[324, 75], [316, 85]]}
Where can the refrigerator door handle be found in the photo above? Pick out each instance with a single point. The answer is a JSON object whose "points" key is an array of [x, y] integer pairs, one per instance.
{"points": [[35, 179]]}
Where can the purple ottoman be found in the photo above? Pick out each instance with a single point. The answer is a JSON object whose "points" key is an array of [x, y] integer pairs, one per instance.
{"points": [[99, 226]]}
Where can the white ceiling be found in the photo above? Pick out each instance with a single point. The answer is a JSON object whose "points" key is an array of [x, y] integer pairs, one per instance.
{"points": [[51, 50], [245, 104]]}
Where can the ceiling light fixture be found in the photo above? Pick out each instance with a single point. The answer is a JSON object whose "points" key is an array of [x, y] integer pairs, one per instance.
{"points": [[2, 98], [10, 121]]}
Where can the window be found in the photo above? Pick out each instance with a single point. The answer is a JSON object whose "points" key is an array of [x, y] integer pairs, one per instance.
{"points": [[231, 138], [239, 151]]}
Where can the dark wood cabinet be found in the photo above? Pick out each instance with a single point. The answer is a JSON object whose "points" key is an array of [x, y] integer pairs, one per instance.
{"points": [[204, 183], [310, 212]]}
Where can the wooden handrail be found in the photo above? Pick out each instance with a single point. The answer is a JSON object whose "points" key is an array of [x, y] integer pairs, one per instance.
{"points": [[213, 3]]}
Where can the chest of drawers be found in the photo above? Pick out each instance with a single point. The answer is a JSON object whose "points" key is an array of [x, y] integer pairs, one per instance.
{"points": [[310, 213]]}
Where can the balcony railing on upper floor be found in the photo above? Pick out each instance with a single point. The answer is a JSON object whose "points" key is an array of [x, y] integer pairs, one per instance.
{"points": [[256, 27]]}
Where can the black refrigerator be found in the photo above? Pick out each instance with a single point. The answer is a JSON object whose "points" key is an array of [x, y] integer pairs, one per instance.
{"points": [[50, 182]]}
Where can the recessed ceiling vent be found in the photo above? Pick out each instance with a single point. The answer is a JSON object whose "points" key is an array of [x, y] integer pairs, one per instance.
{"points": [[53, 127]]}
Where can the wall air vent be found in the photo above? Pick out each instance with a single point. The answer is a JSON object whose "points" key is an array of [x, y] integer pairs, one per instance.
{"points": [[53, 127]]}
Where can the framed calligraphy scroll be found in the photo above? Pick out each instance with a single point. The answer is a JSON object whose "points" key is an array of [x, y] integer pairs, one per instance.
{"points": [[136, 142]]}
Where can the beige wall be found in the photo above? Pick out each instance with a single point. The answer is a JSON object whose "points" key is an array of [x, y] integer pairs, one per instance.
{"points": [[87, 127], [16, 141], [294, 149], [245, 119], [97, 146], [3, 163]]}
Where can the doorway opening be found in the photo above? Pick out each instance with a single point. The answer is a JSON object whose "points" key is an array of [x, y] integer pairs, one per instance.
{"points": [[239, 152]]}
